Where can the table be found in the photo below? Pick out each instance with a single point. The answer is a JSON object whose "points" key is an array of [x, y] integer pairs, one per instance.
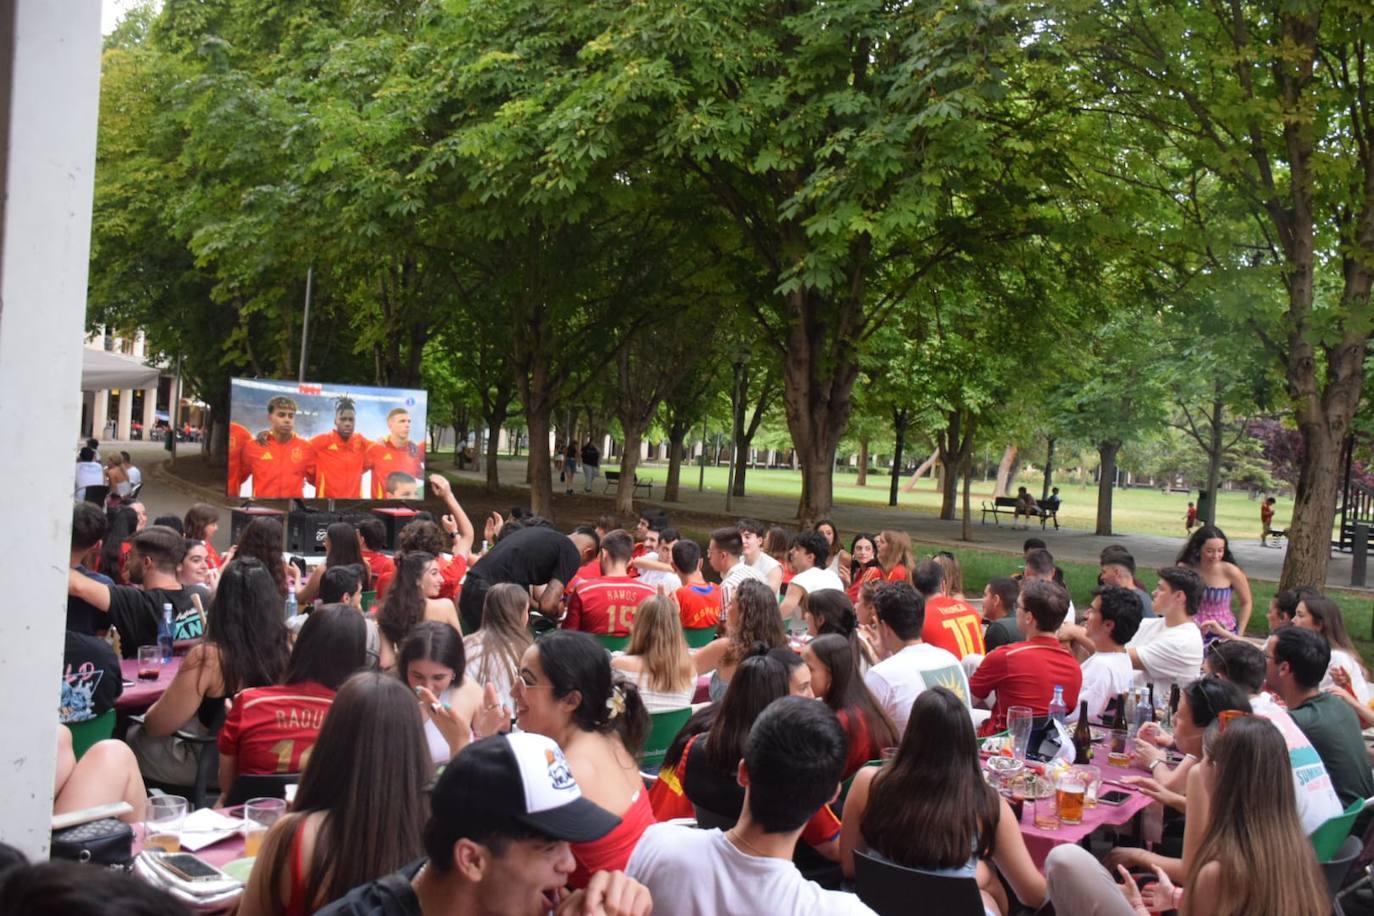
{"points": [[142, 694], [218, 854], [1040, 842]]}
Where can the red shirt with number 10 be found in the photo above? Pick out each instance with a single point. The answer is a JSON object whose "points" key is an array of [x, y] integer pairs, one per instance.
{"points": [[273, 729], [953, 626], [606, 605]]}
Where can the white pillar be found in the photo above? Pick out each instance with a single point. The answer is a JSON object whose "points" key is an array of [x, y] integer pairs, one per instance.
{"points": [[126, 414], [50, 58], [149, 412], [100, 412]]}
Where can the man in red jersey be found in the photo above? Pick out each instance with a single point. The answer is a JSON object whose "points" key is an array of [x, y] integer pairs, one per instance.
{"points": [[278, 460], [698, 601], [339, 455], [394, 452], [238, 437], [951, 624], [372, 533], [606, 604]]}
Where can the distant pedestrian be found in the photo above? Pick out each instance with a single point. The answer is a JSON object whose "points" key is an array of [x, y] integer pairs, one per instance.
{"points": [[1266, 520], [1190, 520], [569, 465], [591, 464]]}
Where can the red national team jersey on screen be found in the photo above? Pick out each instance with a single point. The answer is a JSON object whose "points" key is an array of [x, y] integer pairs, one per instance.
{"points": [[953, 626], [383, 458], [339, 465], [606, 605], [238, 435], [699, 605], [273, 729], [278, 469]]}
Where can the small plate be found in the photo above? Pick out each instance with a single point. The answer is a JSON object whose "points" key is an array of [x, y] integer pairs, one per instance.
{"points": [[239, 869]]}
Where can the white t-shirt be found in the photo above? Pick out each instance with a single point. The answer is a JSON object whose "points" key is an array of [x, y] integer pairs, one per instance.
{"points": [[1317, 798], [652, 577], [693, 872], [817, 579], [88, 474], [765, 564], [1170, 655], [135, 475], [898, 680], [1358, 684], [1105, 674]]}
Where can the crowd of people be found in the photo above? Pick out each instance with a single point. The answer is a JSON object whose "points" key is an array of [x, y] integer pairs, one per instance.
{"points": [[529, 669]]}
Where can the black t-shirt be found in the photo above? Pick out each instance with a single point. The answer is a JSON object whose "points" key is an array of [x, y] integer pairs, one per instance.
{"points": [[530, 556], [91, 679], [135, 613], [388, 896], [84, 617], [1002, 632], [707, 787]]}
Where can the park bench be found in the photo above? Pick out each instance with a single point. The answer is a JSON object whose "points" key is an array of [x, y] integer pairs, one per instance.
{"points": [[1006, 505], [613, 479]]}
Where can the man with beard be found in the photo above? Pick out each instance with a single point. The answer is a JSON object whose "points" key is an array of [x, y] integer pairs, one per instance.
{"points": [[339, 455]]}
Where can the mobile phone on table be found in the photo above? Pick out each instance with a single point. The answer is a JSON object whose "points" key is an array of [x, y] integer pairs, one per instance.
{"points": [[1113, 797], [191, 868]]}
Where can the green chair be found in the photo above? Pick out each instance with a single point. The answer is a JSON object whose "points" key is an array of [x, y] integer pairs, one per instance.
{"points": [[613, 643], [696, 638], [1327, 839], [663, 728], [85, 734], [369, 601]]}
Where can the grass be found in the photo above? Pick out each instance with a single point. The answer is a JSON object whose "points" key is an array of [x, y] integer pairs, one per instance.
{"points": [[1134, 510]]}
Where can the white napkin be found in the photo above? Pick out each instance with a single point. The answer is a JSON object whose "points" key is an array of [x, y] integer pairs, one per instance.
{"points": [[207, 827]]}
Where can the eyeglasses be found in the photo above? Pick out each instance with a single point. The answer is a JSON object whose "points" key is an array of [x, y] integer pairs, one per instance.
{"points": [[1215, 659], [1227, 716]]}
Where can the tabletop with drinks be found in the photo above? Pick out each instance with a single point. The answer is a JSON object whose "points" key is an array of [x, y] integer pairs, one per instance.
{"points": [[145, 679]]}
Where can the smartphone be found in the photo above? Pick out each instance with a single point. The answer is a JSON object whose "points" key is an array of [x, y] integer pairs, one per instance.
{"points": [[1113, 797], [192, 868]]}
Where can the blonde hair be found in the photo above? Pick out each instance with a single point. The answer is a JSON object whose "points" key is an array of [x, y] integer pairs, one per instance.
{"points": [[1267, 866], [504, 636], [656, 637], [954, 576], [896, 552]]}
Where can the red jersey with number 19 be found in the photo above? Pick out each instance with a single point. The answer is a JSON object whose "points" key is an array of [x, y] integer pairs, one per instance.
{"points": [[278, 468], [339, 465], [606, 605], [273, 729], [953, 626]]}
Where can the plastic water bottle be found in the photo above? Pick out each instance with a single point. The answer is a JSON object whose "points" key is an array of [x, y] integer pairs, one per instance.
{"points": [[1058, 710], [1144, 712], [293, 605], [165, 633]]}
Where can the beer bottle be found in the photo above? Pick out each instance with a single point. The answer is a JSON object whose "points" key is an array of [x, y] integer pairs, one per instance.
{"points": [[1119, 720], [1082, 736]]}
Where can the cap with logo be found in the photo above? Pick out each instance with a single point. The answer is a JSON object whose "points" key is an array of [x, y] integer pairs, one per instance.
{"points": [[522, 778]]}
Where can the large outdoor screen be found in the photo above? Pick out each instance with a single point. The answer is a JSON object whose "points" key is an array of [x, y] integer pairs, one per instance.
{"points": [[325, 441]]}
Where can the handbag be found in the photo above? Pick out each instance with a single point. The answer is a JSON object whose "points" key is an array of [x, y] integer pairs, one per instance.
{"points": [[108, 841]]}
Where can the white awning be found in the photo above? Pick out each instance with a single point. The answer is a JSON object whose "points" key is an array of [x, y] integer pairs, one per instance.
{"points": [[102, 370]]}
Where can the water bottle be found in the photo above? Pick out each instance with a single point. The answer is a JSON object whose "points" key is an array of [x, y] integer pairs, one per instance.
{"points": [[1058, 710], [1144, 712], [293, 606], [165, 633]]}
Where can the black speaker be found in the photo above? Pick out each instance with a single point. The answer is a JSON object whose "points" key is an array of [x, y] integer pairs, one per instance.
{"points": [[395, 519], [239, 519], [305, 531]]}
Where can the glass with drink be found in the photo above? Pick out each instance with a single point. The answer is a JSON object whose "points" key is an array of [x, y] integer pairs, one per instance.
{"points": [[258, 815], [1118, 756], [162, 822], [149, 663], [1092, 778], [1070, 798], [1047, 812], [1019, 719]]}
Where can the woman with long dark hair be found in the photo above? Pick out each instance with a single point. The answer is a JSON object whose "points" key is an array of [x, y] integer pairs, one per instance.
{"points": [[751, 620], [332, 646], [836, 680], [1323, 615], [245, 646], [200, 524], [930, 809], [263, 539], [123, 526], [360, 808], [834, 549], [830, 611], [863, 565], [432, 664], [567, 691], [1208, 553], [341, 548], [413, 597]]}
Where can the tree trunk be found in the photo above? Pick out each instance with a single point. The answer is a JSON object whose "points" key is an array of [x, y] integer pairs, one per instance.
{"points": [[1106, 484], [1314, 505], [670, 488], [629, 460], [966, 531], [1049, 468], [948, 444], [493, 451], [863, 464], [899, 424], [1214, 451], [920, 471], [1006, 471]]}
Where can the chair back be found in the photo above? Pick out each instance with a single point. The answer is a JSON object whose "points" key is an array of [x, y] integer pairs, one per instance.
{"points": [[663, 728], [97, 494], [698, 637], [85, 734], [369, 600], [259, 785], [613, 643], [708, 820], [1327, 839], [1337, 867], [890, 890]]}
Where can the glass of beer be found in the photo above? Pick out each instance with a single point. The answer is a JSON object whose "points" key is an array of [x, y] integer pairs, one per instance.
{"points": [[1070, 798], [258, 815], [1092, 778], [162, 822], [1118, 755], [149, 663], [1047, 812]]}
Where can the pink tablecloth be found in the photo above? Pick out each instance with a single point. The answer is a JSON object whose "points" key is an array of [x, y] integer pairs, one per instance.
{"points": [[142, 694], [1040, 842]]}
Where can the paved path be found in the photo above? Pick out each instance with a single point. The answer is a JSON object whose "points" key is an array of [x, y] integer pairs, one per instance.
{"points": [[164, 494]]}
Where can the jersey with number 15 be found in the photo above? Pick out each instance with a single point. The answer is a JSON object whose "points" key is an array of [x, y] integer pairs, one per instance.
{"points": [[606, 605]]}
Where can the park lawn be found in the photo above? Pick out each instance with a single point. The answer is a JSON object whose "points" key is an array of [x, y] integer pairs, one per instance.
{"points": [[1135, 510]]}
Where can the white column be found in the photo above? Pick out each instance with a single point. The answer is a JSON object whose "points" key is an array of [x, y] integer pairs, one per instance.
{"points": [[100, 412], [149, 412], [126, 414], [50, 55]]}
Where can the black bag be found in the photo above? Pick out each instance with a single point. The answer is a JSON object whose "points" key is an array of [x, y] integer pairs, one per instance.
{"points": [[108, 841]]}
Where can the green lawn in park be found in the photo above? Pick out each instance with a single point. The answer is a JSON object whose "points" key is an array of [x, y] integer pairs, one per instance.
{"points": [[1134, 510]]}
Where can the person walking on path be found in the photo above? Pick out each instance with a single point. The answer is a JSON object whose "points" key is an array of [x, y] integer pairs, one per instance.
{"points": [[591, 465]]}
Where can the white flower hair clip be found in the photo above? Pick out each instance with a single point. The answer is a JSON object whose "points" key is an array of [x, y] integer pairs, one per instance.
{"points": [[615, 703]]}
